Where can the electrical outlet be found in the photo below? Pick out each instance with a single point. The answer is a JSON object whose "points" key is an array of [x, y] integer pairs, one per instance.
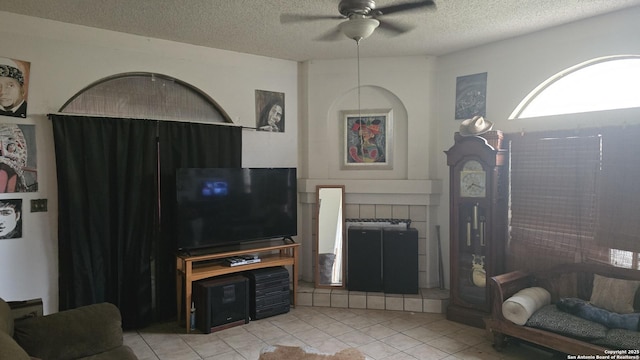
{"points": [[38, 205]]}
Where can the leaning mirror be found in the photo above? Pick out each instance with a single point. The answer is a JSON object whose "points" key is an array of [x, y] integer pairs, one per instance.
{"points": [[329, 236]]}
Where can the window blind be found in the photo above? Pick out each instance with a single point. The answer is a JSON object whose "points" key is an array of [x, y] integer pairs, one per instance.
{"points": [[619, 190], [553, 201]]}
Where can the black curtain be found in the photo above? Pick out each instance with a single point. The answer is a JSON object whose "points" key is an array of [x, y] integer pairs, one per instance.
{"points": [[115, 219], [106, 178], [185, 145]]}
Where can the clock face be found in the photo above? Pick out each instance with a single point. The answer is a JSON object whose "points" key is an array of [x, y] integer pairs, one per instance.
{"points": [[472, 165], [473, 183]]}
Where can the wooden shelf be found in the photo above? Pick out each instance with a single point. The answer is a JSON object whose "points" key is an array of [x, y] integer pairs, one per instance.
{"points": [[200, 272], [194, 267]]}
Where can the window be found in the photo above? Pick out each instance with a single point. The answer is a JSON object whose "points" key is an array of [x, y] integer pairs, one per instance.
{"points": [[625, 259], [573, 195], [574, 198], [146, 96], [553, 199], [600, 84]]}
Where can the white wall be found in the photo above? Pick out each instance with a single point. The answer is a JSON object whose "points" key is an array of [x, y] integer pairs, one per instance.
{"points": [[402, 84], [66, 58], [516, 66], [405, 86]]}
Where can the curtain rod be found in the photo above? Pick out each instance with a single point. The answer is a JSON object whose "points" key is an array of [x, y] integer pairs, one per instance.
{"points": [[108, 116]]}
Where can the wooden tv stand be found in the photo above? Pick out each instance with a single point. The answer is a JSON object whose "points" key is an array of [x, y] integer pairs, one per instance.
{"points": [[194, 267]]}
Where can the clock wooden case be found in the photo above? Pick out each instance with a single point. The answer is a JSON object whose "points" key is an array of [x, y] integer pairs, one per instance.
{"points": [[478, 218]]}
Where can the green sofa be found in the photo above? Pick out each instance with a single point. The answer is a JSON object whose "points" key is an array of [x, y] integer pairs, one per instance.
{"points": [[89, 332]]}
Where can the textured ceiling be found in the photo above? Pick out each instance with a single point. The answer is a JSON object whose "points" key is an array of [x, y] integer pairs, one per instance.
{"points": [[253, 26]]}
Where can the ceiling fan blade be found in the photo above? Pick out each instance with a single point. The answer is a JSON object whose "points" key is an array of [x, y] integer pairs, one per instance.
{"points": [[331, 35], [394, 27], [294, 18], [403, 7]]}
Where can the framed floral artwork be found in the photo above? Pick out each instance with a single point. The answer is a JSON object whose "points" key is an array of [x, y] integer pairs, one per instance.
{"points": [[368, 139]]}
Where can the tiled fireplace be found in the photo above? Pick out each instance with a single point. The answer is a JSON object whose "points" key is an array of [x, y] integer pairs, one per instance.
{"points": [[377, 199]]}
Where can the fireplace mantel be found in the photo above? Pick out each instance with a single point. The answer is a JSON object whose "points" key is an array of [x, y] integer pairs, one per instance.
{"points": [[408, 192]]}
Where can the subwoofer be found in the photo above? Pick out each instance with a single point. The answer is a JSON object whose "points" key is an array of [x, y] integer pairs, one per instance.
{"points": [[221, 303]]}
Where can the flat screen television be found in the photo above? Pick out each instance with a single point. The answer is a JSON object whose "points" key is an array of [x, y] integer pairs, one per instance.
{"points": [[224, 206]]}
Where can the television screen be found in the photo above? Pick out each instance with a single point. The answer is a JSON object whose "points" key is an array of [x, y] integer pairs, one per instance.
{"points": [[222, 206]]}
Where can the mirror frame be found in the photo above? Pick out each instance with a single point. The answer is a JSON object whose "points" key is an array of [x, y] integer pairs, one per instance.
{"points": [[317, 239]]}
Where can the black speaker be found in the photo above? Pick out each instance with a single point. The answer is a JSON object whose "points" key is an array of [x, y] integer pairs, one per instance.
{"points": [[364, 259], [400, 263], [221, 303]]}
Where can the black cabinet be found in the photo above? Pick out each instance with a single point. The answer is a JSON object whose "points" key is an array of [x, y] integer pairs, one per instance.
{"points": [[400, 261], [382, 260], [364, 259]]}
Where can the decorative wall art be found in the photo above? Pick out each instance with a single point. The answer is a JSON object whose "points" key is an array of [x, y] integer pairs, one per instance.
{"points": [[18, 158], [14, 81], [10, 218], [367, 139], [471, 96], [269, 111]]}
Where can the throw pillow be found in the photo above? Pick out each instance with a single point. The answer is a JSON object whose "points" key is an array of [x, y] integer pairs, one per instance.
{"points": [[615, 295], [524, 303]]}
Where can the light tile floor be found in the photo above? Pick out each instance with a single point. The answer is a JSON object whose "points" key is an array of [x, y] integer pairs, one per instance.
{"points": [[379, 334]]}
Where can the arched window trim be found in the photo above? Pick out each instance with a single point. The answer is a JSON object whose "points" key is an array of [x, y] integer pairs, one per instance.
{"points": [[152, 76], [553, 79]]}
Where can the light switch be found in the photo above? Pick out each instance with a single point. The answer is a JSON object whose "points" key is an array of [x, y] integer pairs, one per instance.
{"points": [[38, 205]]}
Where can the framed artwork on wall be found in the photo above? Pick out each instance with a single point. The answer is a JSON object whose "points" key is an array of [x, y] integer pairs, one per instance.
{"points": [[269, 111], [471, 96], [14, 79], [368, 139], [10, 218], [18, 158]]}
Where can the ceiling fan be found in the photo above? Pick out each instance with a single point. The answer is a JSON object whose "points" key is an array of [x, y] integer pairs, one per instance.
{"points": [[362, 18]]}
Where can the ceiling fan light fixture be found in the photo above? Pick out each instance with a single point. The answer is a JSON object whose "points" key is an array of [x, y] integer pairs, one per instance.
{"points": [[359, 28]]}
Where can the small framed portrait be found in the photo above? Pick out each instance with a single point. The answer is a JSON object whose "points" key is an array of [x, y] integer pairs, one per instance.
{"points": [[18, 158], [10, 218], [14, 80], [269, 111], [368, 139], [471, 96]]}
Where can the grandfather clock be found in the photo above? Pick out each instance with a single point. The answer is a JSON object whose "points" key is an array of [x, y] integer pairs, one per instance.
{"points": [[478, 217]]}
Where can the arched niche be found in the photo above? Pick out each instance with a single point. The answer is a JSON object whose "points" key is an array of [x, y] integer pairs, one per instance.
{"points": [[371, 97], [145, 95]]}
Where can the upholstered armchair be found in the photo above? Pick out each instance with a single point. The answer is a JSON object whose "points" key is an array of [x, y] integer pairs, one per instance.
{"points": [[93, 331]]}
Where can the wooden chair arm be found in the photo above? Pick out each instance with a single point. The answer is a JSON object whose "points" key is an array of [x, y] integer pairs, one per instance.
{"points": [[504, 286]]}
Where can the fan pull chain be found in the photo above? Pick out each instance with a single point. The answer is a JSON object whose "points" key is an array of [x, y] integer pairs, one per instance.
{"points": [[361, 133], [358, 54]]}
